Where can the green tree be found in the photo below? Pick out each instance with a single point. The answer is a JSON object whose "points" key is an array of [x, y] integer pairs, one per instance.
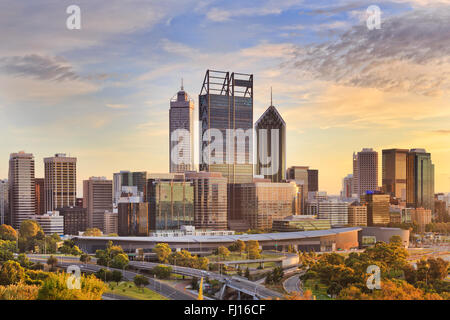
{"points": [[7, 233], [116, 276], [247, 273], [141, 281], [52, 262], [162, 272], [85, 258], [24, 261], [120, 261], [104, 275], [163, 252], [92, 232], [7, 249], [11, 273]]}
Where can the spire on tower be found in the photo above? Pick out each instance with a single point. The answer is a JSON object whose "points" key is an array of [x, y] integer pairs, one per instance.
{"points": [[271, 104], [182, 86]]}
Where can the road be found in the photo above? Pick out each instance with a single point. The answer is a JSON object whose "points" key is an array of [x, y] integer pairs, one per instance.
{"points": [[155, 285], [293, 284], [238, 283]]}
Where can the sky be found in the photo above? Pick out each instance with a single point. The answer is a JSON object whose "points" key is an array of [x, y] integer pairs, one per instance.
{"points": [[102, 93]]}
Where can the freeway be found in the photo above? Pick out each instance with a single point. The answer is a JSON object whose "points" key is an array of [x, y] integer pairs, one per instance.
{"points": [[237, 283], [155, 285], [293, 284]]}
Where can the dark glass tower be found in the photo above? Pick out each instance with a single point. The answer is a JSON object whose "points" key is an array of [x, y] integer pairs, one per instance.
{"points": [[419, 180], [271, 155], [226, 102]]}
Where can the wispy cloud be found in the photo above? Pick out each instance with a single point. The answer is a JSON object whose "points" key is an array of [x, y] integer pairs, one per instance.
{"points": [[117, 106]]}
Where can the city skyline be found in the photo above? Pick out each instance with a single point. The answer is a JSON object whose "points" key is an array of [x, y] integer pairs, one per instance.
{"points": [[62, 97]]}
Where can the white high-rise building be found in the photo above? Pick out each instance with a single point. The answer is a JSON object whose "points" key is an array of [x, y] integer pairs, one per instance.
{"points": [[181, 138], [21, 187]]}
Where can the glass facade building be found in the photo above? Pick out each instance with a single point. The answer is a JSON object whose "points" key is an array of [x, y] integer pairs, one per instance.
{"points": [[394, 172], [271, 155], [226, 103], [171, 204], [420, 180]]}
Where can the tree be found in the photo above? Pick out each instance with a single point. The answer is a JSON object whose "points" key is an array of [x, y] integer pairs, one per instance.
{"points": [[162, 272], [7, 248], [247, 273], [104, 275], [396, 240], [307, 295], [11, 273], [52, 261], [92, 232], [55, 288], [120, 261], [116, 276], [19, 291], [29, 234], [238, 246], [275, 276], [24, 261], [254, 252], [163, 252], [85, 258], [141, 281], [7, 233], [223, 251]]}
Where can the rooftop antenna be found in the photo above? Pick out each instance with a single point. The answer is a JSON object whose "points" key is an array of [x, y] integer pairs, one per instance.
{"points": [[182, 87], [271, 96]]}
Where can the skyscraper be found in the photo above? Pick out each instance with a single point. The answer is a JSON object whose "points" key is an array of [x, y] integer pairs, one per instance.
{"points": [[300, 175], [181, 128], [97, 198], [130, 179], [226, 116], [4, 202], [377, 208], [420, 180], [21, 187], [271, 154], [313, 180], [394, 172], [60, 184], [365, 171], [347, 187]]}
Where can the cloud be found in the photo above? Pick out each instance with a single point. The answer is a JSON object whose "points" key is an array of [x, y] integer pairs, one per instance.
{"points": [[443, 132], [39, 67], [409, 53], [117, 106]]}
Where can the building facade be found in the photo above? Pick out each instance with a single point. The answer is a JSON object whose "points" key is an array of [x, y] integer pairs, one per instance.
{"points": [[75, 220], [60, 184], [171, 203], [313, 180], [262, 202], [4, 202], [97, 198], [210, 200], [270, 132], [133, 219], [299, 174], [111, 223], [51, 223], [181, 133], [394, 172], [334, 211], [378, 213], [21, 187], [226, 117], [347, 187], [357, 215], [365, 171], [39, 195], [129, 179], [421, 217], [420, 180]]}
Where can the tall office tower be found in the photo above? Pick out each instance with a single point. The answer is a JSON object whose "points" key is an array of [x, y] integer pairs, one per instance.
{"points": [[181, 129], [355, 186], [133, 219], [270, 132], [347, 187], [419, 180], [357, 215], [4, 202], [210, 200], [130, 179], [300, 175], [97, 198], [313, 180], [394, 172], [21, 187], [377, 208], [334, 211], [60, 185], [171, 203], [39, 195], [226, 116], [366, 174]]}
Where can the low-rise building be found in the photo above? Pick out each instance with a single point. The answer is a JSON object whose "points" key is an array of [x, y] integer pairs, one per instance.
{"points": [[335, 211], [357, 215], [300, 223]]}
